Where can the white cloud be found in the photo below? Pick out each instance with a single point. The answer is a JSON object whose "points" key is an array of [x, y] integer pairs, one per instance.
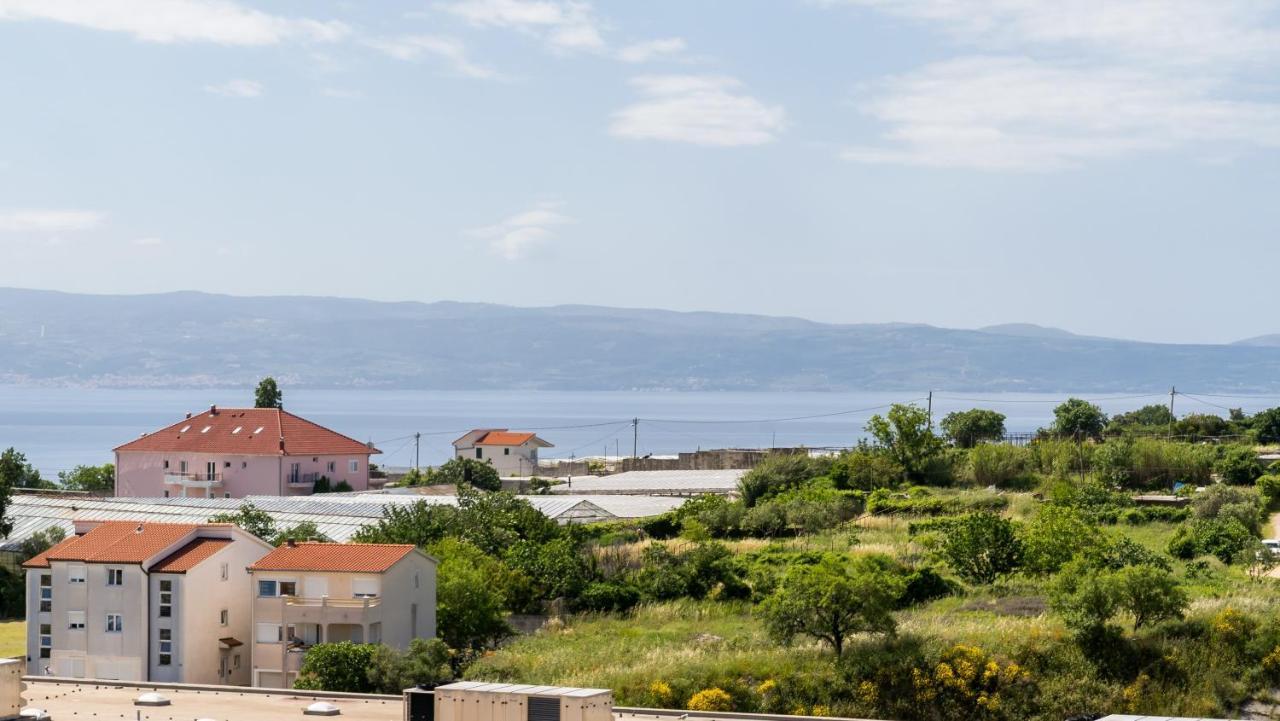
{"points": [[1020, 114], [176, 21], [237, 88], [651, 50], [699, 109], [524, 233], [48, 221], [452, 50], [1167, 32], [565, 25]]}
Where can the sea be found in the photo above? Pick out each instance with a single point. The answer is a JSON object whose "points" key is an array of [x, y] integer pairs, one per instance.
{"points": [[60, 428]]}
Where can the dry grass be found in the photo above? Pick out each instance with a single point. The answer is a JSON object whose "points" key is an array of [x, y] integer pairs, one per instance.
{"points": [[13, 638]]}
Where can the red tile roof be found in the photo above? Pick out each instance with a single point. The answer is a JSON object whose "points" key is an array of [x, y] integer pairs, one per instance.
{"points": [[41, 560], [189, 556], [250, 432], [336, 557], [116, 542]]}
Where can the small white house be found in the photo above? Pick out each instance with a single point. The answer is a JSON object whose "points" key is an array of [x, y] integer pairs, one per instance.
{"points": [[511, 452]]}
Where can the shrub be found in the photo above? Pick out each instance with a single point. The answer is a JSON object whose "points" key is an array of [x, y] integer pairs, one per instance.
{"points": [[607, 596], [339, 666], [1223, 501], [924, 585], [1001, 466], [710, 699], [866, 469], [775, 474], [981, 547], [1238, 464], [923, 502], [1222, 538], [1268, 486]]}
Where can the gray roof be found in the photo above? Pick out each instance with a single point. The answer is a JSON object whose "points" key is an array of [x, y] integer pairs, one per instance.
{"points": [[656, 482], [338, 516]]}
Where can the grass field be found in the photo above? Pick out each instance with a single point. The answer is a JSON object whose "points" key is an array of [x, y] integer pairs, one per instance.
{"points": [[13, 638]]}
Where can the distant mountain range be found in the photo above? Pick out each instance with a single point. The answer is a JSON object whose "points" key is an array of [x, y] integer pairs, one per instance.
{"points": [[191, 339]]}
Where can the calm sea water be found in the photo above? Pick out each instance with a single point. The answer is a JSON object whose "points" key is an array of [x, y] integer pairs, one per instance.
{"points": [[60, 428]]}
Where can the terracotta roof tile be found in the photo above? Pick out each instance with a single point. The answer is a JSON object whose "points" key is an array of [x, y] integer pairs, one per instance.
{"points": [[336, 557], [41, 560], [507, 438], [120, 542], [189, 556], [248, 431]]}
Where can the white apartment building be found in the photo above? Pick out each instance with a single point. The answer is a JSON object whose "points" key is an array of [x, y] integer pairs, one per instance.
{"points": [[143, 602], [309, 593]]}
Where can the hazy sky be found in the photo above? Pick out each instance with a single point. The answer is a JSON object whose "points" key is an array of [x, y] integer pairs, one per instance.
{"points": [[1107, 166]]}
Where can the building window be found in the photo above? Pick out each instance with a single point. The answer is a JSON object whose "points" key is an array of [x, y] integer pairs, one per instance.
{"points": [[75, 574], [115, 576], [332, 467], [415, 580], [75, 620], [166, 464], [115, 623], [353, 466], [271, 589], [479, 453], [506, 451], [166, 646], [266, 589], [288, 588], [166, 494], [46, 639], [364, 587], [226, 464], [46, 592], [166, 598], [226, 571], [268, 633], [224, 617], [182, 466], [235, 661]]}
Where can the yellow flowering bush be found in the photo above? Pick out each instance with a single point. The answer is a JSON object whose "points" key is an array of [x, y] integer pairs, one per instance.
{"points": [[660, 692], [967, 682], [711, 699]]}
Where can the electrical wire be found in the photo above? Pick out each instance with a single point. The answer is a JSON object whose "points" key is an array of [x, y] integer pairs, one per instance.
{"points": [[726, 421], [1048, 400]]}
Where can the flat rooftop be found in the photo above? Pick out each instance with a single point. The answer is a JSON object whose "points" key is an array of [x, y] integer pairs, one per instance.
{"points": [[104, 701]]}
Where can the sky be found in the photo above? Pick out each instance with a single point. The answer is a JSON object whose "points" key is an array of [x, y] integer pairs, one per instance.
{"points": [[1106, 166]]}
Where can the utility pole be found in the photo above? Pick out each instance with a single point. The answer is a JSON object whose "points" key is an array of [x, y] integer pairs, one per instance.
{"points": [[930, 410], [635, 437], [1173, 391], [416, 448]]}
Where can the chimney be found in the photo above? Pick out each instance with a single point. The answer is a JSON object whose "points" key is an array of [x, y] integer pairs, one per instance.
{"points": [[282, 443], [291, 543], [188, 414], [213, 410]]}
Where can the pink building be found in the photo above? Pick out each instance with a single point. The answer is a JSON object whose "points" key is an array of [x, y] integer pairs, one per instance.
{"points": [[237, 452]]}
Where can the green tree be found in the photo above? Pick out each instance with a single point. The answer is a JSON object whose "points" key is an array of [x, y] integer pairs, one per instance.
{"points": [[460, 471], [425, 663], [775, 474], [1268, 486], [342, 666], [1078, 419], [421, 524], [1151, 416], [303, 531], [557, 568], [866, 469], [1150, 594], [268, 394], [981, 547], [906, 436], [967, 429], [96, 479], [15, 472], [1088, 598], [832, 600], [250, 518], [469, 603], [1053, 537], [1266, 425]]}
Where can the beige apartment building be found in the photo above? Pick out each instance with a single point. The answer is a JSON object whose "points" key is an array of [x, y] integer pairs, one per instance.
{"points": [[309, 593], [143, 602]]}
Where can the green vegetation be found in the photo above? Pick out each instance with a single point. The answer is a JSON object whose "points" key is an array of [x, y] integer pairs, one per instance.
{"points": [[94, 479], [457, 471], [268, 394]]}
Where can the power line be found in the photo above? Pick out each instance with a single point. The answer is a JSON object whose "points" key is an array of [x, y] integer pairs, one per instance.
{"points": [[1049, 400], [726, 421]]}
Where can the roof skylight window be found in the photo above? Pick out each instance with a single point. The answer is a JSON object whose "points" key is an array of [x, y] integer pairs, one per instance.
{"points": [[185, 428], [205, 429], [237, 430], [259, 430]]}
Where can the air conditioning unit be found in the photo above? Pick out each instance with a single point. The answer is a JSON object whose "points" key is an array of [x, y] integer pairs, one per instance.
{"points": [[475, 701]]}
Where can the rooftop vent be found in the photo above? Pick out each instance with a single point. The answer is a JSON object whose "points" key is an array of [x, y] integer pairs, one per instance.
{"points": [[321, 708], [138, 529], [291, 542], [33, 713], [151, 698], [188, 414], [213, 410]]}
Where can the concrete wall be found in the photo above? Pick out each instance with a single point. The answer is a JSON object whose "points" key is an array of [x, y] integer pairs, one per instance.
{"points": [[519, 460], [206, 593]]}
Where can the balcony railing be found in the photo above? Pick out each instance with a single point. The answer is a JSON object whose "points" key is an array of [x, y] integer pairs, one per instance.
{"points": [[302, 479], [326, 602], [193, 478]]}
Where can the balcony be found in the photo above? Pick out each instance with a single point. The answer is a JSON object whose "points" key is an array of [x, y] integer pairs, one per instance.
{"points": [[206, 482], [301, 480], [324, 611]]}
